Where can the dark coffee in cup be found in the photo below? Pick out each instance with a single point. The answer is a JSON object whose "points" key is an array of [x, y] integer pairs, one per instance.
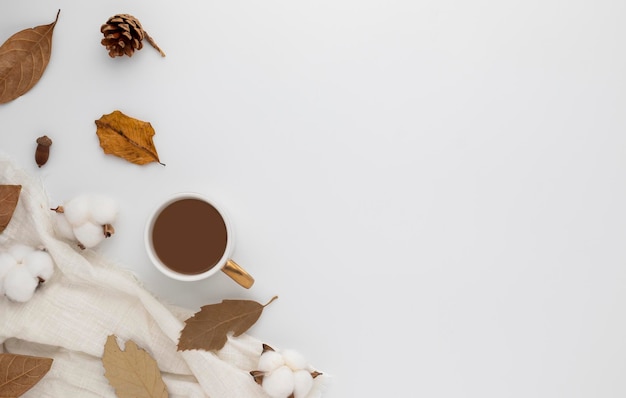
{"points": [[189, 236]]}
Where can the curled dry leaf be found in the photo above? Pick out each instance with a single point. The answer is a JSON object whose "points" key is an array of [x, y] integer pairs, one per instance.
{"points": [[23, 60], [208, 329], [133, 372], [9, 196], [127, 138], [20, 373]]}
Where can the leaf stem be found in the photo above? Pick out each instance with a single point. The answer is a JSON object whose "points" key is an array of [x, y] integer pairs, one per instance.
{"points": [[269, 302]]}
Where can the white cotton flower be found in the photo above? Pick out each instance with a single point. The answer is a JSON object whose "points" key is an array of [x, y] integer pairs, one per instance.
{"points": [[86, 218], [279, 383], [294, 359], [89, 234], [302, 383], [78, 210], [270, 360], [20, 285], [20, 251], [104, 210], [7, 262], [40, 264], [284, 374], [63, 226], [22, 269]]}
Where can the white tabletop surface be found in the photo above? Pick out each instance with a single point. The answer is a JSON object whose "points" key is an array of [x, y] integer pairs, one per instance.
{"points": [[434, 189]]}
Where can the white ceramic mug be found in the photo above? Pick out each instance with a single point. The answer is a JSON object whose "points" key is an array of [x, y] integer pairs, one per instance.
{"points": [[225, 262]]}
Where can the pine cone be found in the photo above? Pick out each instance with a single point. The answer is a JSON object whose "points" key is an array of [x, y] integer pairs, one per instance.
{"points": [[123, 34]]}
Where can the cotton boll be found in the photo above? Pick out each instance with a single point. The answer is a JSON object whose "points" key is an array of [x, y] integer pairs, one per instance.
{"points": [[279, 383], [39, 264], [302, 383], [104, 210], [270, 360], [78, 210], [63, 227], [294, 359], [89, 234], [317, 389], [7, 262], [20, 251], [20, 285]]}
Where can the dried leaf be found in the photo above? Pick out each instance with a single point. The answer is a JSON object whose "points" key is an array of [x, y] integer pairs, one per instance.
{"points": [[23, 59], [127, 138], [258, 376], [208, 328], [133, 372], [20, 373], [9, 195]]}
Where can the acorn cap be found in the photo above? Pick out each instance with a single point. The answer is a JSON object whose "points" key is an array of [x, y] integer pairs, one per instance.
{"points": [[44, 140]]}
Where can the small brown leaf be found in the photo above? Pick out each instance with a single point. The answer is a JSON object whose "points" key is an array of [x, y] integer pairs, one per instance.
{"points": [[208, 328], [127, 138], [9, 195], [258, 376], [23, 60], [133, 373], [20, 373]]}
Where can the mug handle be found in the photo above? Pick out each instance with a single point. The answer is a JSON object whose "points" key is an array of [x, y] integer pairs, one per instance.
{"points": [[238, 274]]}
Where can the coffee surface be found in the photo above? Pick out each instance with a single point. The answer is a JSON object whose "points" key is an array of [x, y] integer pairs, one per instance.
{"points": [[189, 236]]}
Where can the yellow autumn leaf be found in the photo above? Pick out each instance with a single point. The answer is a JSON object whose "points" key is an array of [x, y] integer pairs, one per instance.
{"points": [[127, 138], [133, 372]]}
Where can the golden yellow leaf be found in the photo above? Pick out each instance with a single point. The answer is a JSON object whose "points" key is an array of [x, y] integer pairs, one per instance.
{"points": [[133, 373], [127, 138], [9, 196], [20, 373], [208, 328], [23, 59]]}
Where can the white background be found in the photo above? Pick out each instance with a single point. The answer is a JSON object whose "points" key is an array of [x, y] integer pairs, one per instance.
{"points": [[434, 189]]}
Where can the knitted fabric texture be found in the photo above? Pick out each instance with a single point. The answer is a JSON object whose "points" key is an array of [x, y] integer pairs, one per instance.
{"points": [[89, 298]]}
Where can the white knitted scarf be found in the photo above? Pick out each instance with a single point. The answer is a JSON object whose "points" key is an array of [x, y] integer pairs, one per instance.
{"points": [[89, 298]]}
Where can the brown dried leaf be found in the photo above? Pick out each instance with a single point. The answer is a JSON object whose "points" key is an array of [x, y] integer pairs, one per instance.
{"points": [[9, 195], [258, 376], [133, 372], [23, 60], [208, 329], [20, 373], [127, 138]]}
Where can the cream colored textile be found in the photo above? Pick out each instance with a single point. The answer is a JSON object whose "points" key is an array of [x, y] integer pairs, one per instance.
{"points": [[88, 299]]}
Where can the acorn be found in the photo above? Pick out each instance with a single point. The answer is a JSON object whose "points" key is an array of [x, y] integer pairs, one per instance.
{"points": [[43, 150]]}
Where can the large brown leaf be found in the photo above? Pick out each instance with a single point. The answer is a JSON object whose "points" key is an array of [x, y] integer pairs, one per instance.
{"points": [[133, 372], [23, 59], [208, 329], [127, 138], [9, 196], [20, 373]]}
